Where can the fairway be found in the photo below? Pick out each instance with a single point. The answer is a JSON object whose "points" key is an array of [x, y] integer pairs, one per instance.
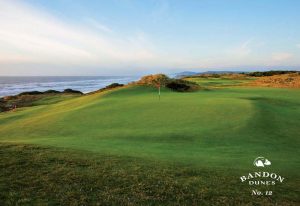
{"points": [[216, 129]]}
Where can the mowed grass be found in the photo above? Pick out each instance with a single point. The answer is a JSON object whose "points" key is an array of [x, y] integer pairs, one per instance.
{"points": [[219, 82], [216, 133]]}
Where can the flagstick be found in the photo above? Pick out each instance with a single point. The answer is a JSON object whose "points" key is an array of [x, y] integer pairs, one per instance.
{"points": [[159, 92]]}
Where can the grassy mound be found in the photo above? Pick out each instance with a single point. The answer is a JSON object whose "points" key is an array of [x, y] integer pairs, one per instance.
{"points": [[282, 81], [154, 80], [178, 85]]}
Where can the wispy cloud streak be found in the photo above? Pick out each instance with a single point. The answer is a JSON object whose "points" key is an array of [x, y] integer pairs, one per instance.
{"points": [[30, 36]]}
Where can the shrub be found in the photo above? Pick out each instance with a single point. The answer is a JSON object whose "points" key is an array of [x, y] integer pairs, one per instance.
{"points": [[114, 85], [181, 85], [51, 92], [72, 91], [164, 81], [30, 93], [154, 80], [270, 73], [216, 75]]}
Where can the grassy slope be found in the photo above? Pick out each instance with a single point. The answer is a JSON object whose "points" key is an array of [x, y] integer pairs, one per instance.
{"points": [[52, 99], [214, 130]]}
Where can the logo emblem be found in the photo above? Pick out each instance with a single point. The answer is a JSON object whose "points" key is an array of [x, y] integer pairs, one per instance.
{"points": [[261, 162]]}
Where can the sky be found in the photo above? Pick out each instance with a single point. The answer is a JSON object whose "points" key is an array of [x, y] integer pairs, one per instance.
{"points": [[134, 37]]}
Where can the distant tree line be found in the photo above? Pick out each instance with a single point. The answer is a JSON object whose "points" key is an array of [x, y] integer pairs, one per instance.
{"points": [[270, 73]]}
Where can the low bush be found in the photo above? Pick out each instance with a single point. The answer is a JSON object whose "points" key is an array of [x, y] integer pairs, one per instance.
{"points": [[52, 92], [270, 73], [72, 91], [162, 80], [30, 93], [154, 80], [114, 85], [181, 85]]}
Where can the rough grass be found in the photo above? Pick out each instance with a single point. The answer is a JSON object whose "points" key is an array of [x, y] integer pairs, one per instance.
{"points": [[48, 176], [289, 80], [282, 81]]}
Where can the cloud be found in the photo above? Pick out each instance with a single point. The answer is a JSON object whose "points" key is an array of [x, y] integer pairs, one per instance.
{"points": [[32, 40], [298, 45], [30, 36], [98, 25], [281, 56], [244, 49]]}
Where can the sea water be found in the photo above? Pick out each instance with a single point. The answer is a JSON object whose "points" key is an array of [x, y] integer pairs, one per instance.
{"points": [[14, 85]]}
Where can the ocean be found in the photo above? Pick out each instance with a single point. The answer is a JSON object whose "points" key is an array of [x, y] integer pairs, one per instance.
{"points": [[15, 85]]}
